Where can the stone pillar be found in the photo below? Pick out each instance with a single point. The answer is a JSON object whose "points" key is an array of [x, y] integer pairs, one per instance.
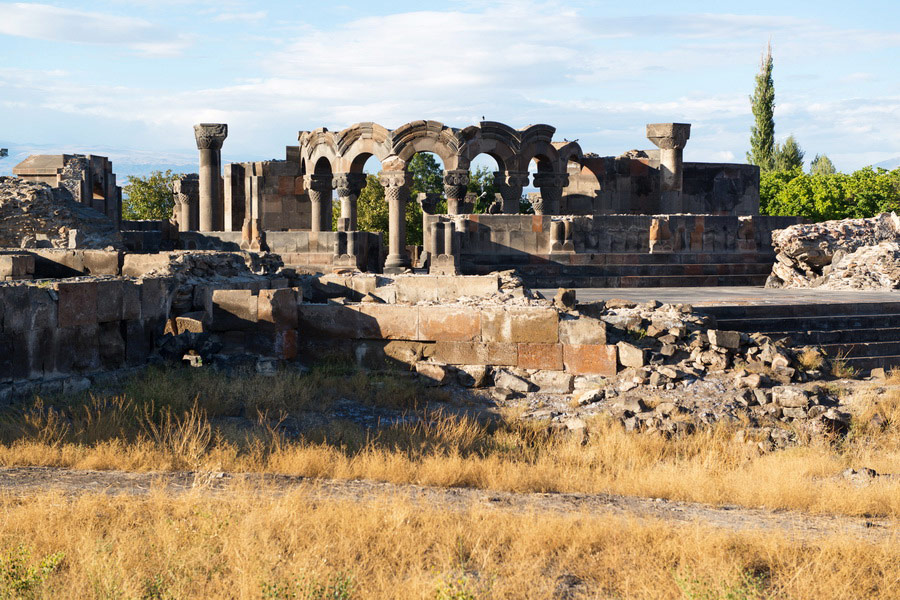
{"points": [[455, 183], [319, 187], [510, 185], [186, 190], [348, 186], [551, 186], [429, 203], [210, 137], [396, 192], [670, 138]]}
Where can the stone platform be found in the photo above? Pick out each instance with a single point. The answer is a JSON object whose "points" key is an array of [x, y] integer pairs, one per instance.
{"points": [[862, 328]]}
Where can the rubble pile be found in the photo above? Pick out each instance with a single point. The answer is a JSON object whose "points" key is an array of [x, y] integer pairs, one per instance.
{"points": [[34, 215], [847, 254]]}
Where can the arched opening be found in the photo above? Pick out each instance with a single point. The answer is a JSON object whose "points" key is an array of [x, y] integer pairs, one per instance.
{"points": [[426, 177], [482, 175], [534, 199], [367, 195]]}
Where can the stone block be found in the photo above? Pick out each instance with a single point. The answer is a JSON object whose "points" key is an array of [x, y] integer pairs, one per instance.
{"points": [[553, 382], [43, 348], [724, 339], [138, 265], [112, 345], [77, 303], [582, 331], [475, 376], [79, 349], [277, 308], [476, 353], [388, 322], [154, 299], [16, 266], [631, 356], [234, 310], [38, 309], [449, 323], [590, 359], [328, 321], [433, 373], [138, 343], [520, 324], [192, 322], [790, 397], [506, 379], [101, 262], [131, 301], [544, 357], [109, 300]]}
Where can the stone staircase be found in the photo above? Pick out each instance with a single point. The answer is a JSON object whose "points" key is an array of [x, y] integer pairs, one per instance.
{"points": [[639, 270], [865, 335]]}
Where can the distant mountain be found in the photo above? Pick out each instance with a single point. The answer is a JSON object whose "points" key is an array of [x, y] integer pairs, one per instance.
{"points": [[126, 161], [890, 164]]}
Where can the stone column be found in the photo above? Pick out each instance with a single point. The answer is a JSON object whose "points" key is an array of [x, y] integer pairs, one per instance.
{"points": [[348, 186], [210, 137], [670, 138], [510, 185], [551, 186], [186, 190], [455, 183], [396, 192], [319, 187]]}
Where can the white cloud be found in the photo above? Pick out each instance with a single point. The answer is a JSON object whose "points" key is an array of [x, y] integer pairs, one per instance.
{"points": [[241, 16], [52, 23]]}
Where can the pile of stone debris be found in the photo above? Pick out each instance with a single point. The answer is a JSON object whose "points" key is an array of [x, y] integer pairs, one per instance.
{"points": [[679, 372], [34, 215], [859, 254]]}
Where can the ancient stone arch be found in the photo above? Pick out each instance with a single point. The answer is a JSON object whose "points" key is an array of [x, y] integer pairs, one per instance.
{"points": [[428, 136]]}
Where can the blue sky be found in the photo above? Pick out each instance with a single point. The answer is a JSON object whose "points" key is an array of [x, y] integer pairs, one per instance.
{"points": [[129, 78]]}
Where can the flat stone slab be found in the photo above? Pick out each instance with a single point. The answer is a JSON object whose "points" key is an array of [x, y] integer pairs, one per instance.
{"points": [[730, 296]]}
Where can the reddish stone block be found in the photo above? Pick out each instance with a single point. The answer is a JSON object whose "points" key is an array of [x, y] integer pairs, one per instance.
{"points": [[449, 323], [77, 303], [537, 325], [590, 359], [544, 357], [476, 353], [537, 223]]}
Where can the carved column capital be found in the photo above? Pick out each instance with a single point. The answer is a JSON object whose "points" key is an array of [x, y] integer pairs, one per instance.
{"points": [[319, 182], [511, 178], [210, 136], [456, 177], [669, 136], [428, 202], [349, 184], [550, 179], [394, 179]]}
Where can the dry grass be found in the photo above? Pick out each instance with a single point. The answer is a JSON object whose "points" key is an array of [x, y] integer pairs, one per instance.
{"points": [[248, 546], [133, 432], [811, 359]]}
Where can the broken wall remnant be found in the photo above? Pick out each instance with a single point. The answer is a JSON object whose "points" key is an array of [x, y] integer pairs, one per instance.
{"points": [[88, 178]]}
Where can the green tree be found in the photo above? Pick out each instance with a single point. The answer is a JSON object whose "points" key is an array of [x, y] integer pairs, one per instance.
{"points": [[427, 175], [481, 183], [821, 165], [762, 103], [789, 156], [372, 212], [149, 197]]}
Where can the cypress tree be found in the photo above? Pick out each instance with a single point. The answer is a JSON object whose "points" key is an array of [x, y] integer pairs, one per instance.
{"points": [[788, 155], [762, 102]]}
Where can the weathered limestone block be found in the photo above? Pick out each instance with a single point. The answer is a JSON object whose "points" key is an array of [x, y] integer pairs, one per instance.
{"points": [[131, 301], [77, 303], [101, 262], [790, 397], [388, 321], [137, 265], [277, 308], [234, 310], [23, 308], [475, 376], [328, 321], [631, 356], [545, 357], [449, 323], [520, 324], [433, 373], [590, 359], [553, 382], [724, 339], [476, 353], [582, 331], [79, 348], [506, 379], [415, 288], [192, 322], [154, 300]]}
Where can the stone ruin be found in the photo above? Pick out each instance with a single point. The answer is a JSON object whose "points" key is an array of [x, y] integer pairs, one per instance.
{"points": [[594, 218]]}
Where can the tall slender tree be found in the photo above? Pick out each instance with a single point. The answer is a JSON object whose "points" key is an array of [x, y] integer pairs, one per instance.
{"points": [[762, 102]]}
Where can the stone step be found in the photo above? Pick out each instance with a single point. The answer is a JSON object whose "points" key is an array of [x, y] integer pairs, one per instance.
{"points": [[802, 309], [651, 270], [639, 281], [866, 363], [811, 323], [839, 336], [864, 349]]}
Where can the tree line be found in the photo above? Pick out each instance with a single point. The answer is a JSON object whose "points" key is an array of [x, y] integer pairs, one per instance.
{"points": [[820, 194]]}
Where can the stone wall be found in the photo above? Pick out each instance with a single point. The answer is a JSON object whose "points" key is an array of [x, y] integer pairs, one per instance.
{"points": [[273, 189]]}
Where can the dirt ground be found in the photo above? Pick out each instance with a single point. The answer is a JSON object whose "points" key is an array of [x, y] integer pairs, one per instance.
{"points": [[22, 481]]}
